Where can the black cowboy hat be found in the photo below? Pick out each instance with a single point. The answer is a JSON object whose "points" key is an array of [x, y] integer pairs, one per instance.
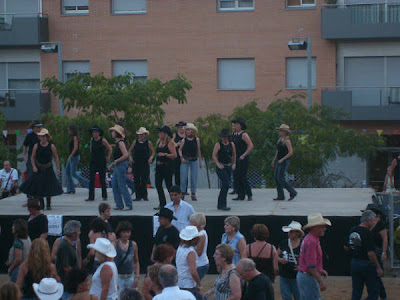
{"points": [[375, 208], [165, 129], [96, 128], [166, 213], [224, 133], [37, 123], [241, 122], [180, 123]]}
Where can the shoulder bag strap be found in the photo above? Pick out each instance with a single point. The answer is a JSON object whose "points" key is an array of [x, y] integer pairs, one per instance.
{"points": [[9, 177], [126, 254], [291, 251]]}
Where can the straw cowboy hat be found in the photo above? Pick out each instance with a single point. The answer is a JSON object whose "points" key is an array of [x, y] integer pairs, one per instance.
{"points": [[316, 220], [189, 233], [96, 128], [241, 122], [44, 131], [284, 127], [191, 126], [142, 130], [118, 129], [48, 289], [293, 226], [104, 246]]}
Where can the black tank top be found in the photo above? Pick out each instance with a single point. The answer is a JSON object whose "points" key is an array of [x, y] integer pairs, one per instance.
{"points": [[225, 153], [189, 149], [98, 150], [240, 144], [27, 289], [117, 153], [264, 265], [71, 147], [282, 150], [162, 159], [177, 139], [44, 154], [141, 150]]}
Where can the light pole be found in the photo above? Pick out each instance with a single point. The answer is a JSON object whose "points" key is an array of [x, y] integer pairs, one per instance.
{"points": [[53, 47], [304, 43]]}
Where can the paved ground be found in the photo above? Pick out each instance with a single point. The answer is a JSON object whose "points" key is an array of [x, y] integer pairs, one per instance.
{"points": [[330, 202]]}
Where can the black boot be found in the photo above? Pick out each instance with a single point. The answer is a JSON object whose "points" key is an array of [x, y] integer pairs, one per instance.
{"points": [[48, 203]]}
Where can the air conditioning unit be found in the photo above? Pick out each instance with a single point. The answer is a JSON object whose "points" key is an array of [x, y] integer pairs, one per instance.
{"points": [[49, 48]]}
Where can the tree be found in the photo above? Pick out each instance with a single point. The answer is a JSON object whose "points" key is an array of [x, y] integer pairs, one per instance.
{"points": [[4, 153]]}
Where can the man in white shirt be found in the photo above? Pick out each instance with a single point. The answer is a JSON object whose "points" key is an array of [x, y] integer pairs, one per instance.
{"points": [[169, 279], [8, 180], [181, 209]]}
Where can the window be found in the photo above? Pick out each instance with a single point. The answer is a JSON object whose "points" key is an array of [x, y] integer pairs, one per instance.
{"points": [[296, 73], [236, 74], [71, 68], [136, 67], [16, 7], [300, 3], [75, 7], [128, 6], [232, 5]]}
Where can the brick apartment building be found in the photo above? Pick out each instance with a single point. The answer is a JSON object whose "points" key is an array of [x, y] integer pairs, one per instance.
{"points": [[233, 51]]}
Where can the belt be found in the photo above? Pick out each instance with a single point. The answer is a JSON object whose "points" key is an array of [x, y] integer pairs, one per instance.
{"points": [[190, 158], [126, 276], [161, 163], [44, 166]]}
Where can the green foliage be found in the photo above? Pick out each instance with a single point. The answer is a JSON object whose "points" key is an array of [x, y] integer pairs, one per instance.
{"points": [[4, 153]]}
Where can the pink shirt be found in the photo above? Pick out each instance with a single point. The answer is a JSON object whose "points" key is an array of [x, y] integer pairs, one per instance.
{"points": [[310, 254]]}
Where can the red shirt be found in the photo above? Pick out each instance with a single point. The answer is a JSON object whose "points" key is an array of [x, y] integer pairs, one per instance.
{"points": [[310, 254]]}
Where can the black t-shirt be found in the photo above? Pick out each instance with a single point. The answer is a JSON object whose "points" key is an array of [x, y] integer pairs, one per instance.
{"points": [[288, 270], [38, 226], [259, 288], [376, 233], [167, 236], [66, 257], [30, 140], [360, 242]]}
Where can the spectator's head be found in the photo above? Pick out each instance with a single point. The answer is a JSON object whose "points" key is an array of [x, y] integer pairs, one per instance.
{"points": [[33, 205], [368, 218], [260, 232], [165, 216], [104, 211], [164, 254], [39, 259], [7, 166], [9, 291], [48, 289], [317, 224], [198, 220], [189, 236], [224, 254], [175, 193], [246, 268], [105, 251], [98, 225], [168, 276], [20, 229], [131, 294], [124, 230], [72, 229], [77, 281], [232, 224]]}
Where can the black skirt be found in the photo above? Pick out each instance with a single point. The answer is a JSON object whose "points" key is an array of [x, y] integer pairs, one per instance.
{"points": [[43, 183]]}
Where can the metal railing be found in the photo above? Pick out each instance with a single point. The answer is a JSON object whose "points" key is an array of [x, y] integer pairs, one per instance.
{"points": [[10, 97], [7, 19]]}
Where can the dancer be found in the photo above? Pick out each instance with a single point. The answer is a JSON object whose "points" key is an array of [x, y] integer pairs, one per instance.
{"points": [[234, 183], [143, 154], [190, 154], [244, 145], [73, 160], [120, 165], [166, 153], [43, 182], [98, 160], [178, 138], [224, 155], [283, 153]]}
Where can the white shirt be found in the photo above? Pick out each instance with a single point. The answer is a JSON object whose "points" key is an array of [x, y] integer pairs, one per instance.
{"points": [[185, 279], [183, 213], [174, 293], [96, 282], [203, 259], [4, 178]]}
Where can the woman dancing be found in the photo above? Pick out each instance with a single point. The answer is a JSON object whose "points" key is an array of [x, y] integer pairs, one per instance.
{"points": [[178, 138]]}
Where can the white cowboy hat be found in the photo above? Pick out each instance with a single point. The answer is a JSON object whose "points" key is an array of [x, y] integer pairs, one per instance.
{"points": [[316, 220], [48, 289], [284, 127], [189, 233], [119, 129], [104, 246], [191, 126], [44, 131], [293, 226], [142, 130]]}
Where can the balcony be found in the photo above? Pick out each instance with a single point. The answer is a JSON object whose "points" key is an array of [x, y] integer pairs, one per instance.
{"points": [[364, 103], [23, 29], [23, 105], [361, 21]]}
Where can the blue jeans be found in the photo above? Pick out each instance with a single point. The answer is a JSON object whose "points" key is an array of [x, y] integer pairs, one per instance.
{"points": [[194, 168], [125, 283], [225, 176], [202, 271], [279, 176], [289, 288], [130, 184], [363, 272], [120, 190], [70, 171], [14, 275], [308, 287]]}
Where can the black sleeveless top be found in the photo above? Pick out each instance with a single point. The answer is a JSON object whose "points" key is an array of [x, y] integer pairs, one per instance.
{"points": [[141, 150], [240, 144], [98, 151], [225, 153], [117, 153], [177, 139], [71, 147], [189, 149], [282, 150], [27, 289], [162, 159], [264, 265], [44, 154]]}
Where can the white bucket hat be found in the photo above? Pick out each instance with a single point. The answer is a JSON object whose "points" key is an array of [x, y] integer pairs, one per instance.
{"points": [[189, 233], [316, 220], [48, 289], [104, 246], [142, 130], [293, 226], [191, 126]]}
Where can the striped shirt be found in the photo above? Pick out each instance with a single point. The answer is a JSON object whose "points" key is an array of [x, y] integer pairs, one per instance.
{"points": [[222, 289]]}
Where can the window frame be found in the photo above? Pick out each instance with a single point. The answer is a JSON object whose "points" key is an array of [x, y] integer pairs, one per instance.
{"points": [[236, 8], [133, 78], [235, 89], [313, 87], [127, 12], [64, 79], [302, 6], [75, 12]]}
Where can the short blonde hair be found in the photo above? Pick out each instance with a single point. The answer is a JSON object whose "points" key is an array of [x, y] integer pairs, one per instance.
{"points": [[233, 221], [199, 219]]}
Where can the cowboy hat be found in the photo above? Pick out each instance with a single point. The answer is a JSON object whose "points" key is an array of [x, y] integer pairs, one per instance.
{"points": [[103, 246], [191, 126], [166, 213], [142, 130], [180, 123], [284, 127], [189, 233], [224, 133], [44, 131], [316, 220], [48, 289], [165, 129], [375, 208], [241, 122], [36, 123], [118, 129], [293, 226], [96, 128]]}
